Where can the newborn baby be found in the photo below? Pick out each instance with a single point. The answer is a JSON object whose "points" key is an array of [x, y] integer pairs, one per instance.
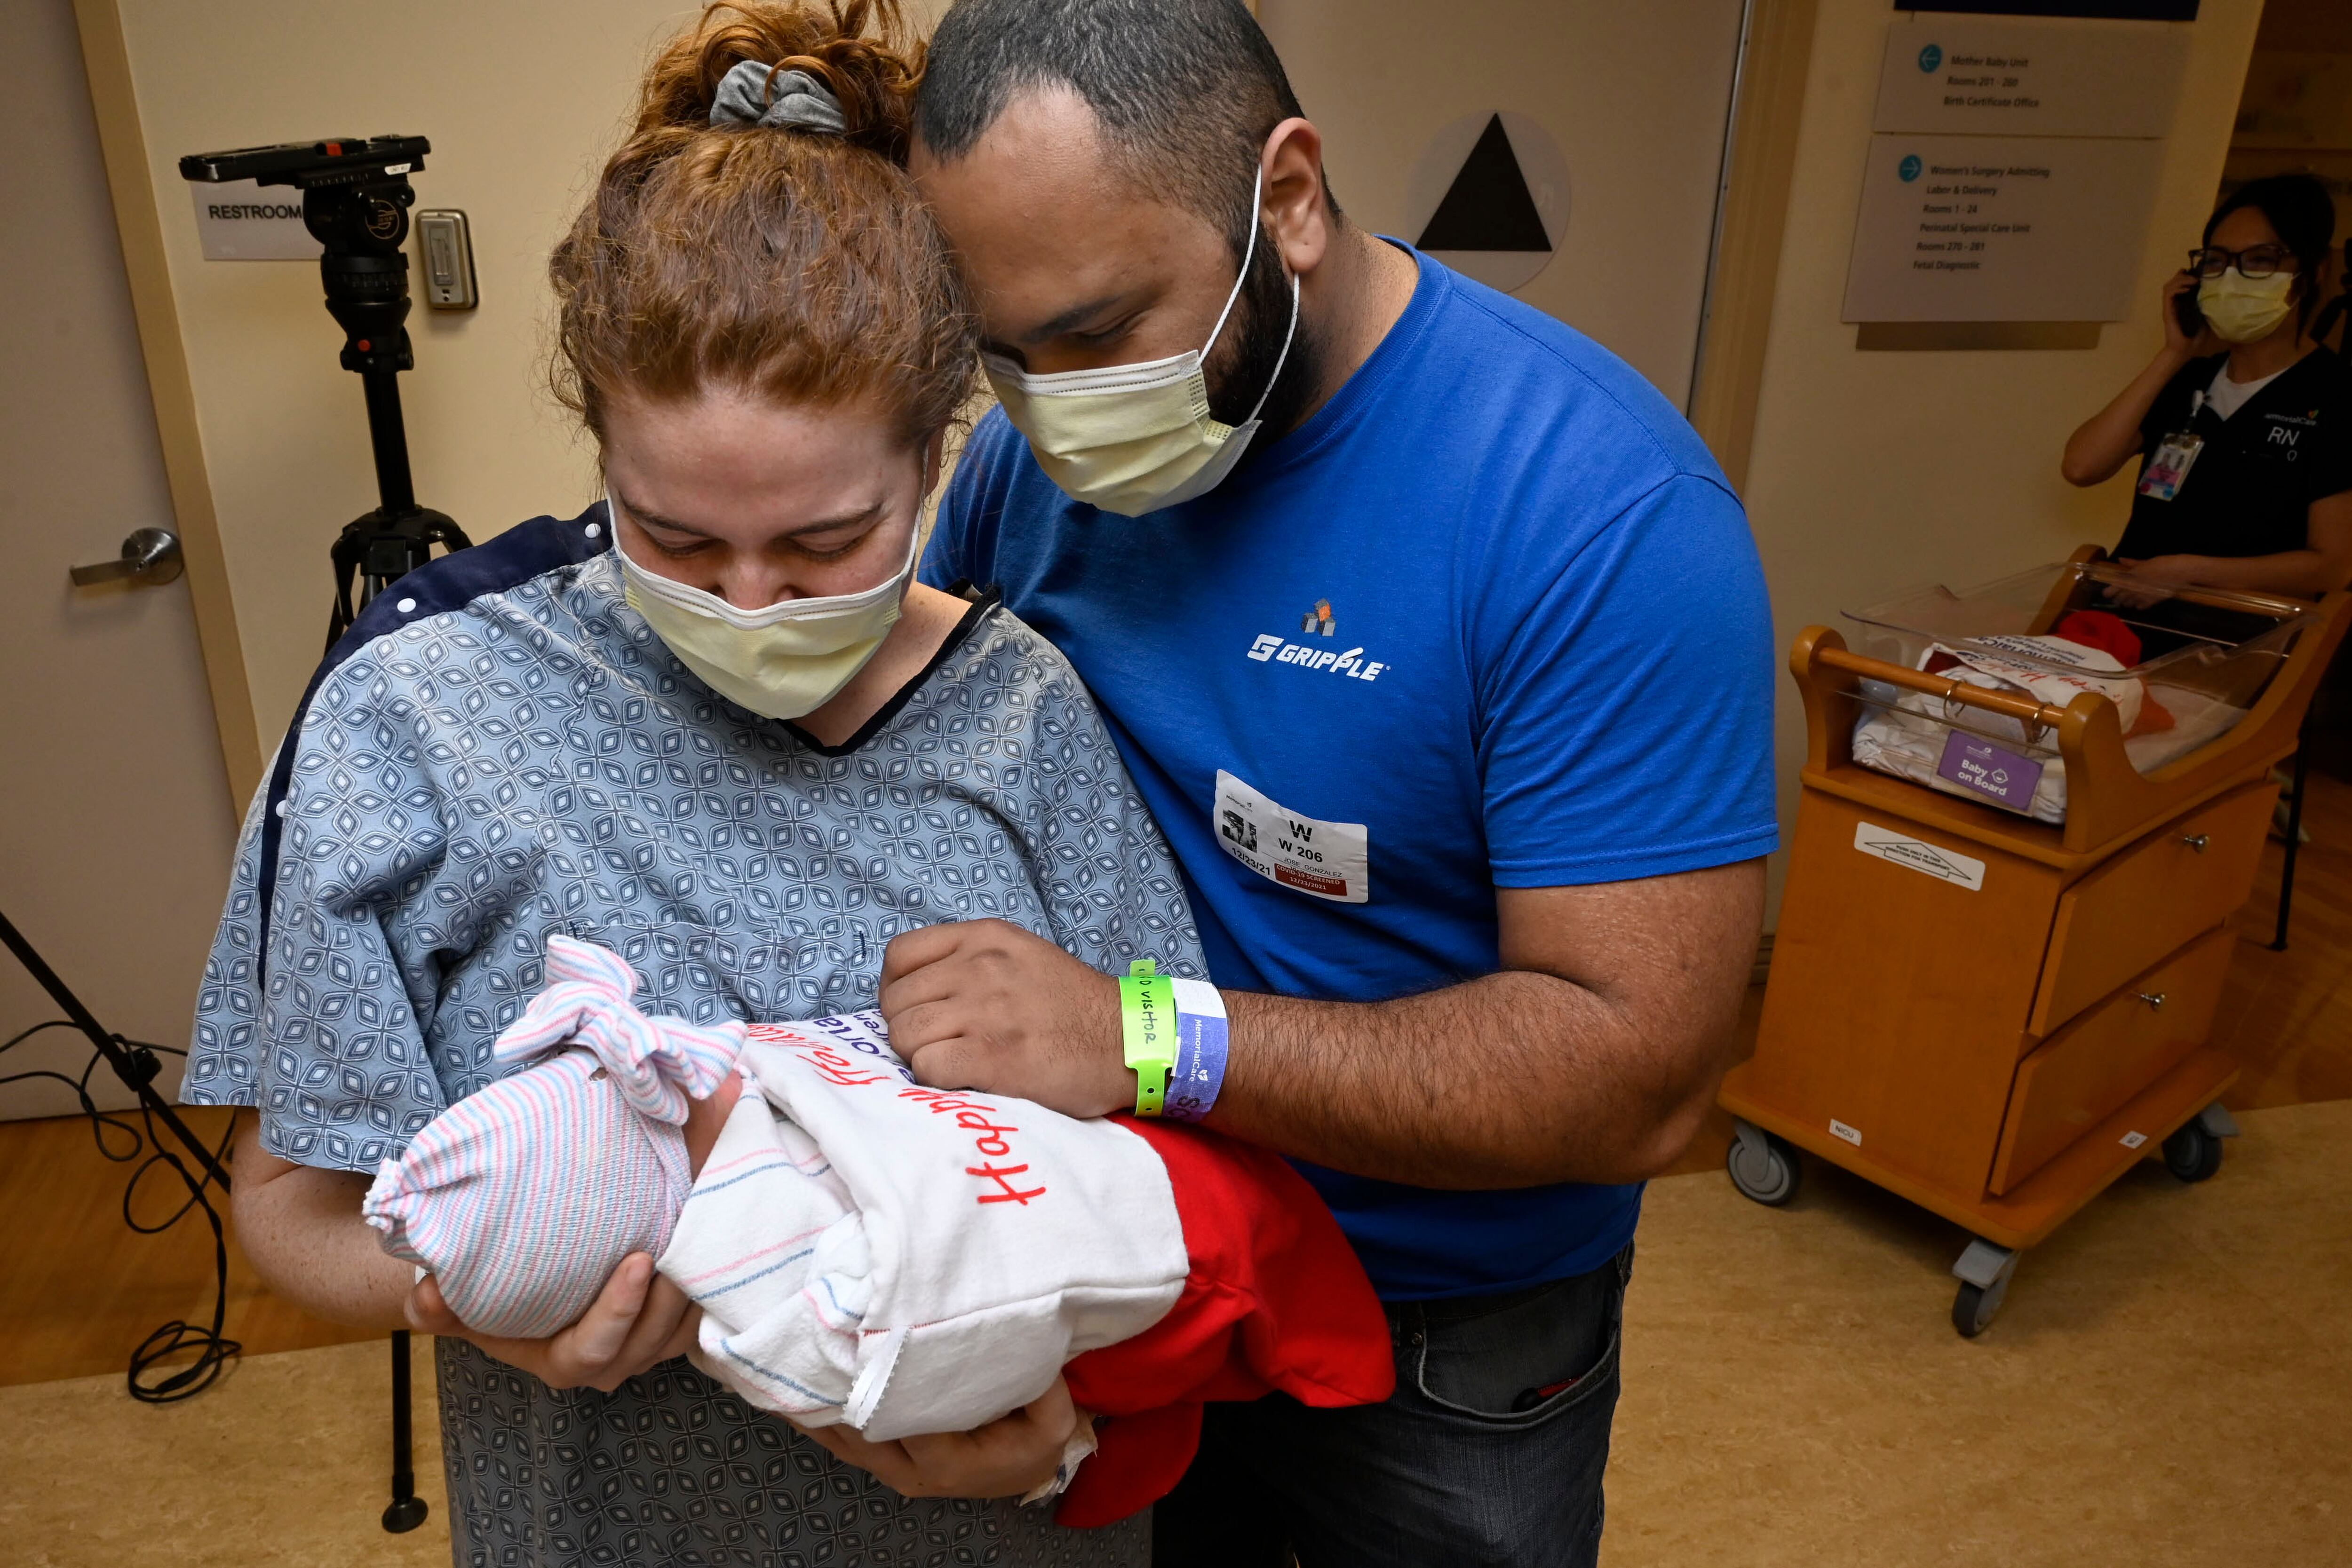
{"points": [[872, 1253]]}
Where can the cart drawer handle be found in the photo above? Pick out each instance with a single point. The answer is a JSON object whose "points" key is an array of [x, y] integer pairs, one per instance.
{"points": [[2198, 842], [2154, 1000]]}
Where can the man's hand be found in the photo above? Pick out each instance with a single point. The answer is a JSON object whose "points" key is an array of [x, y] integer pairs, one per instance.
{"points": [[982, 1004], [1011, 1455], [639, 1320]]}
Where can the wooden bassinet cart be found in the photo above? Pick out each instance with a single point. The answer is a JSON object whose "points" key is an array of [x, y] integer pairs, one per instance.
{"points": [[1990, 1016]]}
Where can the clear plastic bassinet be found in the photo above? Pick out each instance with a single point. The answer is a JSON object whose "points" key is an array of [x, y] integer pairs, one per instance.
{"points": [[2203, 658]]}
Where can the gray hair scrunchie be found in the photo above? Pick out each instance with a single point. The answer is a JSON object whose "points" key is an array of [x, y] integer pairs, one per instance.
{"points": [[797, 101]]}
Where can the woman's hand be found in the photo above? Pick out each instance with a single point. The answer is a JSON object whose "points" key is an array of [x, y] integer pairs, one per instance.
{"points": [[1010, 1457], [2160, 573], [639, 1320], [2177, 343]]}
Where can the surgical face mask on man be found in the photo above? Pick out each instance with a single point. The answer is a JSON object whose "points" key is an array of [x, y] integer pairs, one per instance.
{"points": [[2242, 310], [785, 661], [1132, 439]]}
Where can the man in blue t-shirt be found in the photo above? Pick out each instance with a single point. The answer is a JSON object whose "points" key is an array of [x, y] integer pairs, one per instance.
{"points": [[1438, 646]]}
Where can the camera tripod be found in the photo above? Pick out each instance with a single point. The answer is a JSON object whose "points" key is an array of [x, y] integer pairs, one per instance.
{"points": [[355, 202], [363, 224]]}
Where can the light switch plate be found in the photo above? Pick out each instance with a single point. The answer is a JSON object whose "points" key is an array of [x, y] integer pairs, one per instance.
{"points": [[447, 247]]}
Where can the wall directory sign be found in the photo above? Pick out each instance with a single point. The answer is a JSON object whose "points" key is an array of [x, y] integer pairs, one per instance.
{"points": [[2008, 228], [1975, 78], [2014, 169]]}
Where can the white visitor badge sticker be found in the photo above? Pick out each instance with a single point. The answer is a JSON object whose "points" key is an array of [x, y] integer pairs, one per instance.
{"points": [[1322, 860]]}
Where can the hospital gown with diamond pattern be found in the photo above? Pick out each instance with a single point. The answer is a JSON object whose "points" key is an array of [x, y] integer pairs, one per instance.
{"points": [[503, 749]]}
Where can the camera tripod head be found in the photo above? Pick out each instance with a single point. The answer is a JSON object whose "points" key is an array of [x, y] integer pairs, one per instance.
{"points": [[355, 202]]}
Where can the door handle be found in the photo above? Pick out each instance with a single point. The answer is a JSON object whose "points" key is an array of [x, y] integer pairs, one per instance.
{"points": [[2154, 1000], [2198, 842], [151, 555]]}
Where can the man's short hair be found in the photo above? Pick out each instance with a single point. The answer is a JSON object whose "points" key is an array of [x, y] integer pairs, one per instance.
{"points": [[1186, 92]]}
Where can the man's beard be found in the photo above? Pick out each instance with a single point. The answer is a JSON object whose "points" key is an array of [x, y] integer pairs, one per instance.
{"points": [[1261, 321]]}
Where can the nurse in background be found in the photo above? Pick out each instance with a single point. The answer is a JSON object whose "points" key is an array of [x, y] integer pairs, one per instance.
{"points": [[2242, 422]]}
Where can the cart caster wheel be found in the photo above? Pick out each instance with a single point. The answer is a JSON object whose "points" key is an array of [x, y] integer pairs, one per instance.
{"points": [[1984, 1271], [1974, 1308], [1765, 1168], [2192, 1154]]}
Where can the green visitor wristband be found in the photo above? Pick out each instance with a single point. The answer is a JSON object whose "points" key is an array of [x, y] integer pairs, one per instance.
{"points": [[1147, 1006]]}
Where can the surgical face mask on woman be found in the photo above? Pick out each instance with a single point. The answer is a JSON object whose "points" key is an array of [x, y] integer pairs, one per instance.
{"points": [[750, 536], [2242, 310], [1132, 439], [785, 661]]}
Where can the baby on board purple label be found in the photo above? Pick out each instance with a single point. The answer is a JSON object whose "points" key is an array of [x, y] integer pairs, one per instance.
{"points": [[1988, 770]]}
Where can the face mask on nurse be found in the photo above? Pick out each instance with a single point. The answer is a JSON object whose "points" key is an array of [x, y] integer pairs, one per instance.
{"points": [[1134, 438], [750, 539], [2242, 310]]}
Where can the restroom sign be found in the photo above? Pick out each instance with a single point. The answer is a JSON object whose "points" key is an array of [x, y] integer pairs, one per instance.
{"points": [[240, 220], [1489, 197]]}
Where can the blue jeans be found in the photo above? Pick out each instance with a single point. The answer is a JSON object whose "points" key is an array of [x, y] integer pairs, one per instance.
{"points": [[1491, 1451]]}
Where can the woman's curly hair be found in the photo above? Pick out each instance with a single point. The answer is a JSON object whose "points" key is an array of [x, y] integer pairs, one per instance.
{"points": [[795, 265]]}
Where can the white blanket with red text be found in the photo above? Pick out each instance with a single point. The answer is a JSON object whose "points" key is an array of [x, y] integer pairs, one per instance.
{"points": [[900, 1260]]}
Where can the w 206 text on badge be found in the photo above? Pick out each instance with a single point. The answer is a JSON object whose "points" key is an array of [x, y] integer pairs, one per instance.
{"points": [[1322, 860]]}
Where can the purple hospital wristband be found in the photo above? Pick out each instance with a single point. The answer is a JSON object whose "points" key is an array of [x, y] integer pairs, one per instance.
{"points": [[1200, 1070]]}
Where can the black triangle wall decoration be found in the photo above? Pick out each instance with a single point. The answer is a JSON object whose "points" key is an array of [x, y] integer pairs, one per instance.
{"points": [[1487, 207]]}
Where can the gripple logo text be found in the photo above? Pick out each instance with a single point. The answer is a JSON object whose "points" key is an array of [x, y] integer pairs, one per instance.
{"points": [[1351, 664]]}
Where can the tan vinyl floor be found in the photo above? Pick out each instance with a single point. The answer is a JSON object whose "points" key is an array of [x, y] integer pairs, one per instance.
{"points": [[2170, 1382], [283, 1464]]}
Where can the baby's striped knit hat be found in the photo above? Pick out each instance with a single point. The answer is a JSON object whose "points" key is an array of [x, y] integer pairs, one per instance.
{"points": [[522, 1198]]}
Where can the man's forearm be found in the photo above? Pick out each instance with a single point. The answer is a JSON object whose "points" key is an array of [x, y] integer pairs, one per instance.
{"points": [[1592, 1055], [1513, 1080]]}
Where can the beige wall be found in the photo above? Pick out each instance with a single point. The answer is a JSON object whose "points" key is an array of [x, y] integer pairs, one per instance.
{"points": [[519, 108], [1875, 471], [521, 102]]}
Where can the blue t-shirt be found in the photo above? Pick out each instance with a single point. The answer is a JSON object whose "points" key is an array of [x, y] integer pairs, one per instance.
{"points": [[1491, 617]]}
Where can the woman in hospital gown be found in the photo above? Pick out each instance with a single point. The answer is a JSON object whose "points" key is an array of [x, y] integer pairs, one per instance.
{"points": [[504, 749]]}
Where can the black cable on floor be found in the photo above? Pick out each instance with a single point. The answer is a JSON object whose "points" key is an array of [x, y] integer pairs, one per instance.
{"points": [[214, 1351]]}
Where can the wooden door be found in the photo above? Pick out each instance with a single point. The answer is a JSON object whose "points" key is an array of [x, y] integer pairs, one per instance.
{"points": [[118, 822]]}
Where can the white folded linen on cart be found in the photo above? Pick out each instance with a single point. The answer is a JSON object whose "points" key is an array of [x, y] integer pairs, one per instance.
{"points": [[1979, 665], [1911, 746]]}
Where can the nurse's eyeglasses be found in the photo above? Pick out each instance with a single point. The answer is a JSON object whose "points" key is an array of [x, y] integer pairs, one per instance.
{"points": [[2253, 262]]}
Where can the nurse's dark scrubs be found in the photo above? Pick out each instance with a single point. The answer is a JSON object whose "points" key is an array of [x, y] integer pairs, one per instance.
{"points": [[2249, 488]]}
